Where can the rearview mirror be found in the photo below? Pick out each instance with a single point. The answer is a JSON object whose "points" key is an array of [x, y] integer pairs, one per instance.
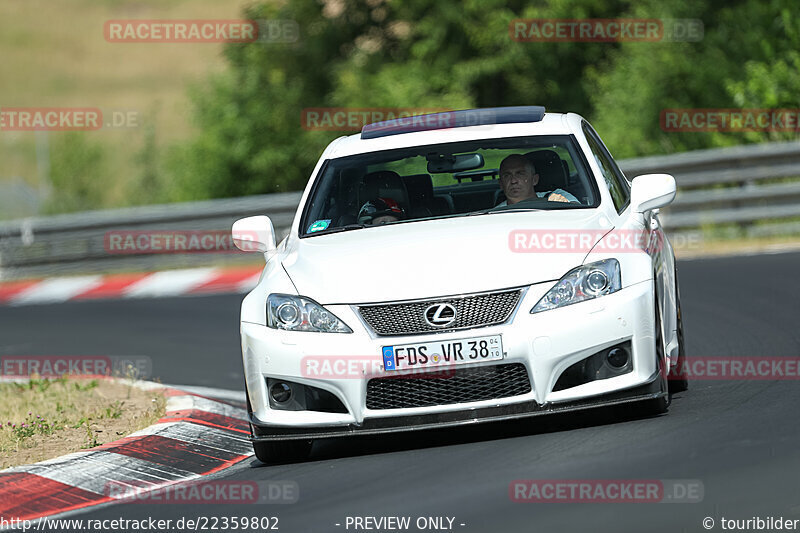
{"points": [[254, 234], [438, 163], [652, 191]]}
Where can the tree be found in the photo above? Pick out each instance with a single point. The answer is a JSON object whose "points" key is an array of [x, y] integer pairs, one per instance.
{"points": [[442, 54]]}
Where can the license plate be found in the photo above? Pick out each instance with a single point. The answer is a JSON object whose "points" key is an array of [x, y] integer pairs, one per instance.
{"points": [[442, 353]]}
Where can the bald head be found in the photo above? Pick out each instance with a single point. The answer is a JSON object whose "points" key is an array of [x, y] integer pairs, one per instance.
{"points": [[517, 178], [516, 160]]}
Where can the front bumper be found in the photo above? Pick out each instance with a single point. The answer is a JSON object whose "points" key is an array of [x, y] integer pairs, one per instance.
{"points": [[545, 343], [376, 426]]}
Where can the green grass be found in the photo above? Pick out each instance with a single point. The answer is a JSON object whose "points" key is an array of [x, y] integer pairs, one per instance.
{"points": [[54, 54], [44, 418]]}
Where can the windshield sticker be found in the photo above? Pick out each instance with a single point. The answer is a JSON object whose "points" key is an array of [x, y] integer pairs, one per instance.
{"points": [[319, 225]]}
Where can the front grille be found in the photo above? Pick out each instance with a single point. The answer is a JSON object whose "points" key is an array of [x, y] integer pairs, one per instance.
{"points": [[460, 386], [408, 318]]}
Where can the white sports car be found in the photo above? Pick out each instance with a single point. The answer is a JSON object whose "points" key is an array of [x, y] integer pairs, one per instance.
{"points": [[456, 268]]}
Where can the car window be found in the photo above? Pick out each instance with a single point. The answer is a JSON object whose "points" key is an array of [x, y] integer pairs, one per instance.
{"points": [[443, 180], [615, 180]]}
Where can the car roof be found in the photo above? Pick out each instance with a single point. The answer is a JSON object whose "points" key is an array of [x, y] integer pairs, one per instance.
{"points": [[551, 124]]}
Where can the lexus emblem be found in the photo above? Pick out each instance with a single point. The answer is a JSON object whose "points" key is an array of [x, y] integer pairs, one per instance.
{"points": [[440, 315]]}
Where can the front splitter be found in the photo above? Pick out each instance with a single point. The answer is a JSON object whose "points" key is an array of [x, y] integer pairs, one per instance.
{"points": [[650, 390]]}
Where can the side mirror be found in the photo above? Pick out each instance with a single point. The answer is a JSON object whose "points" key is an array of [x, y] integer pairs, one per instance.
{"points": [[254, 234], [652, 191]]}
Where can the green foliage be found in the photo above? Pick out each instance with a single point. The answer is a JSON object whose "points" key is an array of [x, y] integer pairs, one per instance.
{"points": [[39, 384], [79, 176], [773, 80], [84, 176], [147, 185], [445, 54], [747, 59], [91, 436], [114, 410], [442, 54], [89, 385], [357, 53], [33, 425]]}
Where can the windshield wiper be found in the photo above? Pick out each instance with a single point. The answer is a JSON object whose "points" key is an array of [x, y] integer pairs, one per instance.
{"points": [[515, 210], [337, 229], [495, 210]]}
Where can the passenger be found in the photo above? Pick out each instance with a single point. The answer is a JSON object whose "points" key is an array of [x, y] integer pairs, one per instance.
{"points": [[518, 179], [380, 211]]}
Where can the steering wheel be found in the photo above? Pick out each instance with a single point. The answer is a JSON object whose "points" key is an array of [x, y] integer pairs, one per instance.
{"points": [[530, 203]]}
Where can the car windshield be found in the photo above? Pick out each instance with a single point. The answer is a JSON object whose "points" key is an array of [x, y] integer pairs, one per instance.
{"points": [[448, 180]]}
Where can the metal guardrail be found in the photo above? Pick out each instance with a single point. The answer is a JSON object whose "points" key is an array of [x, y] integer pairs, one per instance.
{"points": [[739, 185], [76, 242]]}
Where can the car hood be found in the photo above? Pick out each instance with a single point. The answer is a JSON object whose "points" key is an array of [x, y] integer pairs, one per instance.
{"points": [[437, 257]]}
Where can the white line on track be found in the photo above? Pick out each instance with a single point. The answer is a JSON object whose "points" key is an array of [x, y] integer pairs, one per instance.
{"points": [[211, 392], [96, 471], [169, 282], [188, 402], [196, 434], [56, 290]]}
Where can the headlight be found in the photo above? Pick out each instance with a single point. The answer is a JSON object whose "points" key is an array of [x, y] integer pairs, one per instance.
{"points": [[295, 313], [583, 283]]}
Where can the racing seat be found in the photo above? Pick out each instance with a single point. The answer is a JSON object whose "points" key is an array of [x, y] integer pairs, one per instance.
{"points": [[551, 172], [554, 174], [420, 193], [384, 184]]}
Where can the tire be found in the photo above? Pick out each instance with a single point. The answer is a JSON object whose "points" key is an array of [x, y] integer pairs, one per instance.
{"points": [[658, 406], [282, 451], [679, 380]]}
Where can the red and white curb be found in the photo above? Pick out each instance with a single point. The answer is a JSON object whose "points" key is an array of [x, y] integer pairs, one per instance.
{"points": [[182, 282], [196, 437]]}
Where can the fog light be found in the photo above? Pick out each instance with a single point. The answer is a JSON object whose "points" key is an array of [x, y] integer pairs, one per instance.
{"points": [[607, 363], [617, 357], [281, 392]]}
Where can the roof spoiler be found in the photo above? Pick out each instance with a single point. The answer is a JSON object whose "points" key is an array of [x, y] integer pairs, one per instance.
{"points": [[453, 119]]}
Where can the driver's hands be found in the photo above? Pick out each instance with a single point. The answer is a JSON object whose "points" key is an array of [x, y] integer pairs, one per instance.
{"points": [[555, 197]]}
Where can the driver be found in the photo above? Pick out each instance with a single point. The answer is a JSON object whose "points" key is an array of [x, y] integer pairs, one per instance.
{"points": [[380, 211], [518, 178]]}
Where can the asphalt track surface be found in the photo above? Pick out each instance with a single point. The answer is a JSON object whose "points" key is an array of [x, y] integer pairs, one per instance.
{"points": [[739, 438]]}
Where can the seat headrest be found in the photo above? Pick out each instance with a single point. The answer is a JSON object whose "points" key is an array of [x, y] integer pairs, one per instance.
{"points": [[550, 169], [384, 184], [419, 187]]}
